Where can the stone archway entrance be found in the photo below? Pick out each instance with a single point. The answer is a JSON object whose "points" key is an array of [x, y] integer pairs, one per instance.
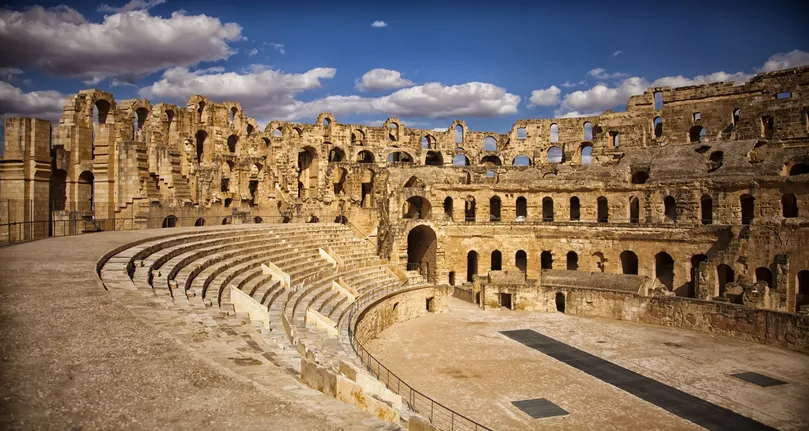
{"points": [[421, 251]]}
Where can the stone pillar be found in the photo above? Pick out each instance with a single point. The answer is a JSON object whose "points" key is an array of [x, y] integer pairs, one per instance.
{"points": [[784, 295]]}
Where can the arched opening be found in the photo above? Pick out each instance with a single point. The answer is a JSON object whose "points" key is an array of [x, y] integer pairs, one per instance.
{"points": [[452, 278], [598, 261], [233, 140], [425, 142], [434, 158], [200, 110], [640, 177], [199, 222], [226, 220], [285, 219], [494, 209], [169, 221], [694, 285], [724, 275], [789, 205], [399, 157], [522, 209], [365, 156], [521, 160], [492, 160], [448, 207], [307, 172], [802, 292], [58, 190], [575, 209], [258, 220], [227, 202], [414, 182], [421, 251], [521, 133], [586, 154], [670, 209], [555, 155], [521, 261], [765, 275], [799, 169], [554, 138], [459, 134], [336, 155], [658, 127], [85, 200], [277, 133], [102, 110], [737, 114], [603, 210], [497, 261], [471, 265], [233, 112], [696, 134], [629, 262], [706, 209], [417, 207], [460, 160], [588, 131], [200, 138], [314, 219], [560, 302], [141, 114], [340, 178], [634, 210], [664, 270], [469, 209], [748, 204], [367, 188], [616, 139], [715, 160], [546, 260], [250, 130], [547, 209], [341, 219], [572, 261], [489, 144]]}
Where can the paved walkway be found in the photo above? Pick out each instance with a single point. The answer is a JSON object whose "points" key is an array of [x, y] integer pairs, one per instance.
{"points": [[72, 357]]}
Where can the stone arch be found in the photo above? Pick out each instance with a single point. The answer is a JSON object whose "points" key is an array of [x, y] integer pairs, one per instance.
{"points": [[497, 261], [546, 260], [469, 208], [399, 156], [414, 181], [706, 209], [102, 110], [494, 209], [489, 143], [640, 177], [200, 138], [521, 208], [603, 210], [307, 171], [199, 222], [434, 158], [339, 180], [664, 269], [233, 143], [586, 154], [58, 190], [748, 206], [629, 262], [554, 133], [471, 265], [799, 169], [365, 156], [459, 132], [422, 247], [588, 131], [417, 207], [694, 285], [555, 155], [670, 209], [521, 261], [491, 159], [460, 160], [547, 209], [696, 134], [572, 261], [367, 188], [789, 205], [169, 221], [724, 275], [575, 209], [448, 207], [521, 160], [357, 137], [657, 127], [634, 210], [802, 290], [337, 155], [764, 274], [85, 198]]}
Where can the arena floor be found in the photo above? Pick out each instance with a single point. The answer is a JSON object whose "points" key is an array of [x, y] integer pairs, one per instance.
{"points": [[461, 359]]}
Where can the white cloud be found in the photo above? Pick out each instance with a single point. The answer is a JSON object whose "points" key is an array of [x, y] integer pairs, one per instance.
{"points": [[9, 73], [381, 79], [786, 60], [127, 45], [414, 124], [39, 104], [278, 47], [252, 52], [617, 53], [547, 97], [600, 73], [681, 81], [568, 84], [576, 114], [440, 129], [603, 97], [379, 24], [132, 5]]}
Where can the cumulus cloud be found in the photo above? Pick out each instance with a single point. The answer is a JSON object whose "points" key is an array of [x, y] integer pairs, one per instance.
{"points": [[381, 79], [379, 24], [568, 84], [406, 123], [278, 47], [603, 97], [681, 81], [600, 73], [39, 104], [132, 5], [786, 60], [617, 53], [9, 73], [252, 52], [127, 45], [576, 114], [547, 97], [440, 129]]}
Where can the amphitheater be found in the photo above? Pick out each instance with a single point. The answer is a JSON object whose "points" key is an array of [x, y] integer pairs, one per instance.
{"points": [[178, 267]]}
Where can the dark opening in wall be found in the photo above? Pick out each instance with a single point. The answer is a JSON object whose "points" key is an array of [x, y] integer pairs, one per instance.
{"points": [[572, 261], [546, 260], [253, 188], [469, 209], [789, 205], [471, 266], [448, 207], [715, 160], [494, 209], [634, 210], [737, 114], [664, 269], [224, 185], [199, 222], [658, 127], [258, 220], [521, 261], [640, 177], [421, 251], [724, 275], [547, 209], [658, 97], [434, 158], [428, 304], [522, 209], [629, 262], [670, 209], [232, 141], [505, 300], [497, 261], [766, 126], [575, 209], [170, 221], [693, 287], [603, 210], [706, 210], [452, 278], [560, 302], [799, 169], [696, 134], [765, 275], [748, 204], [802, 295]]}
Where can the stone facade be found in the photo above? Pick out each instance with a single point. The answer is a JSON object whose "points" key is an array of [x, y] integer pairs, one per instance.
{"points": [[702, 190]]}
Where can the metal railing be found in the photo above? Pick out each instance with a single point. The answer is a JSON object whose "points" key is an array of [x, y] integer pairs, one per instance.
{"points": [[439, 415]]}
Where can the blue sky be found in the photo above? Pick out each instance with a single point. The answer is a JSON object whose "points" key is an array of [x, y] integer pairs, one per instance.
{"points": [[483, 62]]}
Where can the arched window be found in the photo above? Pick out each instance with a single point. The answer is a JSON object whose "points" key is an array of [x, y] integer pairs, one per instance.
{"points": [[522, 209], [425, 142], [724, 275], [170, 221], [696, 134], [547, 209], [199, 222], [694, 287], [640, 177], [521, 133], [460, 160], [434, 158], [336, 155], [572, 261], [489, 144], [554, 133], [555, 155], [664, 269], [492, 160], [200, 109], [634, 210], [616, 139], [765, 275], [799, 169], [521, 261], [249, 130], [448, 207], [789, 205], [469, 209], [497, 261], [85, 201], [494, 209], [629, 262], [588, 131], [748, 204], [737, 114], [233, 112], [471, 265], [365, 156], [706, 211], [399, 157], [546, 260], [603, 210], [459, 134], [522, 160], [232, 141], [575, 209], [277, 133], [326, 122], [658, 127], [200, 138], [587, 155], [670, 208]]}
